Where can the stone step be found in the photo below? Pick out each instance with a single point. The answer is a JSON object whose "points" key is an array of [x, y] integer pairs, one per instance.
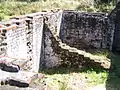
{"points": [[12, 64], [19, 79], [8, 67]]}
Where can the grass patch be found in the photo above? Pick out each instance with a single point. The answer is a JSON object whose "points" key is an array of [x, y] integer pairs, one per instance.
{"points": [[96, 78], [71, 78], [10, 8], [66, 77]]}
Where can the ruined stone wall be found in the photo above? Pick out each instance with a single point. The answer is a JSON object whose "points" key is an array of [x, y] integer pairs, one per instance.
{"points": [[16, 41], [38, 55], [85, 30], [23, 41], [43, 40], [58, 53], [52, 22], [33, 42], [3, 43]]}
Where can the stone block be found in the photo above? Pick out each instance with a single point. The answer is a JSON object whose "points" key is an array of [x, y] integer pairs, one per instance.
{"points": [[20, 79], [9, 67]]}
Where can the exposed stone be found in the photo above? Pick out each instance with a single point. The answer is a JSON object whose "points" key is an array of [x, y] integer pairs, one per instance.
{"points": [[85, 30], [33, 46], [20, 79], [17, 83], [9, 67], [63, 53]]}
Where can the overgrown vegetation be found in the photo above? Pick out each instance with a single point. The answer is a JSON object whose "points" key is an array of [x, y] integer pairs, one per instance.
{"points": [[10, 8]]}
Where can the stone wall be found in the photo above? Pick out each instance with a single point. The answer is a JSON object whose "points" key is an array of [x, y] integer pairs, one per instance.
{"points": [[58, 53], [23, 41], [85, 30], [3, 43], [16, 42], [56, 38], [52, 22], [52, 39], [40, 39]]}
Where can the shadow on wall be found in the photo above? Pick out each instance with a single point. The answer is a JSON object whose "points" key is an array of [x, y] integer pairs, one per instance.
{"points": [[64, 70], [68, 61], [113, 80]]}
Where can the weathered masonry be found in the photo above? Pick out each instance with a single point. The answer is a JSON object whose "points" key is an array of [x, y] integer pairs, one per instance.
{"points": [[22, 41], [86, 30], [50, 39]]}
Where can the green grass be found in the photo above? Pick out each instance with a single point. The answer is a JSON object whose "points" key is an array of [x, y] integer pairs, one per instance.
{"points": [[10, 8], [96, 78], [65, 78]]}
